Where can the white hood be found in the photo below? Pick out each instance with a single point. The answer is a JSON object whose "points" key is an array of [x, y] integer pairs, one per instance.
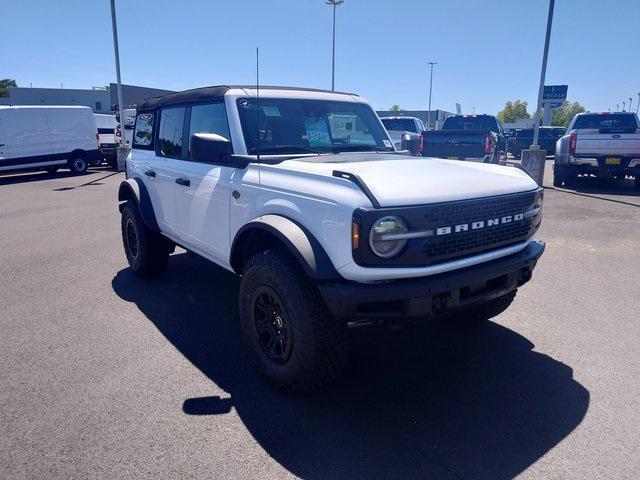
{"points": [[397, 180]]}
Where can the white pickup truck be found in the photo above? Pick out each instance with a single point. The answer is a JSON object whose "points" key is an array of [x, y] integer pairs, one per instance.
{"points": [[603, 144], [302, 194]]}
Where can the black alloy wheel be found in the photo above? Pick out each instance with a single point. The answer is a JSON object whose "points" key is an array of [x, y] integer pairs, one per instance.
{"points": [[272, 326]]}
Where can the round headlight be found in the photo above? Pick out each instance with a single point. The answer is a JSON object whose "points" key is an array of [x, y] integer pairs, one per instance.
{"points": [[381, 237]]}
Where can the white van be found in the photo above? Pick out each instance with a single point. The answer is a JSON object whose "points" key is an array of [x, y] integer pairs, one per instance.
{"points": [[47, 138], [107, 125]]}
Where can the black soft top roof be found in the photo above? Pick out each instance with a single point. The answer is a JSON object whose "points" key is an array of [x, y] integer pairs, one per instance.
{"points": [[210, 93]]}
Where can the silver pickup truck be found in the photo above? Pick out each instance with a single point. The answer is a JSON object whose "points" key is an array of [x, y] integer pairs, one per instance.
{"points": [[606, 145]]}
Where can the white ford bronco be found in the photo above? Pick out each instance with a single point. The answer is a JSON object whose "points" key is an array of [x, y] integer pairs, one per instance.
{"points": [[302, 194]]}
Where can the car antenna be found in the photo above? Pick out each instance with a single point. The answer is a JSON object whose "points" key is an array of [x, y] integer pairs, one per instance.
{"points": [[257, 107]]}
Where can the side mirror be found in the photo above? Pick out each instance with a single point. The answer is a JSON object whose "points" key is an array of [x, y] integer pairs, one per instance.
{"points": [[213, 148], [410, 143]]}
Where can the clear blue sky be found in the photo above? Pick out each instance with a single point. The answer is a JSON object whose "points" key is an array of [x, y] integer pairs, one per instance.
{"points": [[489, 51]]}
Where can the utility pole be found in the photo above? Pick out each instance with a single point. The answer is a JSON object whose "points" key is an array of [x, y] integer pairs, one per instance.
{"points": [[534, 159], [335, 3], [121, 154], [431, 64], [543, 73]]}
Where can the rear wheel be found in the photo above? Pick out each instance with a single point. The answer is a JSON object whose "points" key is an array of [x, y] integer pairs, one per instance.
{"points": [[557, 180], [78, 164], [293, 339], [147, 251]]}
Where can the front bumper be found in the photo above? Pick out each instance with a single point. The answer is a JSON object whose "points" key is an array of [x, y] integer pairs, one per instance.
{"points": [[433, 295]]}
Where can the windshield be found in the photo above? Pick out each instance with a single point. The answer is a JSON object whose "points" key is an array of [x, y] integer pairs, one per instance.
{"points": [[605, 121], [291, 126], [399, 124]]}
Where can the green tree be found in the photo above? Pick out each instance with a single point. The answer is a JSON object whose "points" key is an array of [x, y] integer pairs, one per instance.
{"points": [[5, 83], [513, 111], [395, 108], [561, 117]]}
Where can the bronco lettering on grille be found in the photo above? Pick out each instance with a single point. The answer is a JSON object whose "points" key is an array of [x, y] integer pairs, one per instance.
{"points": [[464, 227]]}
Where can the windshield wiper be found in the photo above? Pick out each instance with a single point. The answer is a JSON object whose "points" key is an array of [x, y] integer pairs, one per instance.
{"points": [[281, 148]]}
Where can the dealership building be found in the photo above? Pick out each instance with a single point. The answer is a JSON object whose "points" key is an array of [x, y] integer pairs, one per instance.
{"points": [[101, 100]]}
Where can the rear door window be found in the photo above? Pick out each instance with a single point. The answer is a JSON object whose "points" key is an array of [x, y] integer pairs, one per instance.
{"points": [[143, 136], [171, 132]]}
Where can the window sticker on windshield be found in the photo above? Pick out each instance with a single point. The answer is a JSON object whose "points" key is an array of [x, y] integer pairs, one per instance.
{"points": [[317, 132], [271, 111], [387, 143]]}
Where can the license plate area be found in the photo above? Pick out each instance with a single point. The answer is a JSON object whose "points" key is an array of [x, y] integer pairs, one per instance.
{"points": [[612, 161]]}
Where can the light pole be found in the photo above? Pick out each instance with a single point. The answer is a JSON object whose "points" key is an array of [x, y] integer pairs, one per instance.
{"points": [[536, 125], [335, 3], [121, 155], [638, 107], [630, 101], [431, 64], [623, 105], [617, 107]]}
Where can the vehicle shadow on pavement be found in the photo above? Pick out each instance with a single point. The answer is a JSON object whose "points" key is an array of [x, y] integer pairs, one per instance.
{"points": [[40, 176], [593, 187], [444, 400]]}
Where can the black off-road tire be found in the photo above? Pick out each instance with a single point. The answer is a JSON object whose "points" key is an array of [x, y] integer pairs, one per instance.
{"points": [[319, 344], [490, 309], [147, 251], [78, 164]]}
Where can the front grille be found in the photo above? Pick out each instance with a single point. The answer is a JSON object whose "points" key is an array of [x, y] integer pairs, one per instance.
{"points": [[439, 248], [446, 247]]}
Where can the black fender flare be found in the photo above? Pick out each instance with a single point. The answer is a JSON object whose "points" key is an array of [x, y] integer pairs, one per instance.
{"points": [[133, 189], [297, 239]]}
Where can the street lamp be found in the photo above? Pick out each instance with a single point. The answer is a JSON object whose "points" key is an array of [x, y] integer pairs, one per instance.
{"points": [[121, 152], [335, 3], [617, 107], [630, 101], [431, 64], [638, 107], [623, 105]]}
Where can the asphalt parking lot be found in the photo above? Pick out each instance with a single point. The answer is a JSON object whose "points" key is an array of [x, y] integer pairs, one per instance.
{"points": [[106, 376]]}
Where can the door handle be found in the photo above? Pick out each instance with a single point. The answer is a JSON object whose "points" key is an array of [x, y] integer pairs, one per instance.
{"points": [[150, 173], [183, 181]]}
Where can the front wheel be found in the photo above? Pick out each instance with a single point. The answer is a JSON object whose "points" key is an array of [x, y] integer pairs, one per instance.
{"points": [[78, 164], [293, 339], [147, 251]]}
